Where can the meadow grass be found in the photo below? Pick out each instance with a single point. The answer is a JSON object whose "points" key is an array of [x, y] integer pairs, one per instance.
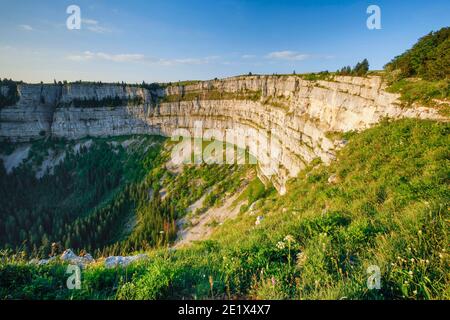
{"points": [[388, 207]]}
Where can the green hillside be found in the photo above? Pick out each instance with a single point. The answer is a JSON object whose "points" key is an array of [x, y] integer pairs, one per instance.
{"points": [[387, 205], [383, 204], [422, 74]]}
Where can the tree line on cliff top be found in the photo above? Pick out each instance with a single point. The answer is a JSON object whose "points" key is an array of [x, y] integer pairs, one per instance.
{"points": [[428, 59]]}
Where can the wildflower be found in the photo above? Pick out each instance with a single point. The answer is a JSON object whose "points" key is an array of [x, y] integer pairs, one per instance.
{"points": [[301, 259], [273, 281], [427, 261], [415, 292], [410, 273], [412, 260], [420, 232], [289, 238], [281, 245]]}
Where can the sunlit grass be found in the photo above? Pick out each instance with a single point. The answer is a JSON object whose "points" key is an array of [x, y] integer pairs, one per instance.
{"points": [[388, 207]]}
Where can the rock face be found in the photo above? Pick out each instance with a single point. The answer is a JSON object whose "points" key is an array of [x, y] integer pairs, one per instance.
{"points": [[120, 261], [296, 113], [32, 116], [70, 257]]}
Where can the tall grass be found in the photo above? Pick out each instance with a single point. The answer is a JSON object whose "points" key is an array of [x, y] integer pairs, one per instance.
{"points": [[388, 207]]}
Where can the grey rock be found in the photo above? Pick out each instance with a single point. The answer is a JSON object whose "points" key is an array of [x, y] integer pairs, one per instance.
{"points": [[333, 179], [312, 108], [123, 261]]}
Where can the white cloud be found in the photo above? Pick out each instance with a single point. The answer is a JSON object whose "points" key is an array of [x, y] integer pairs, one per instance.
{"points": [[94, 26], [188, 61], [287, 55], [88, 55], [26, 27], [99, 29], [248, 56], [139, 58], [89, 21]]}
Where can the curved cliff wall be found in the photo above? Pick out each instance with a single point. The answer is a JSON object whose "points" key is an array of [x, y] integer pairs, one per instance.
{"points": [[297, 112]]}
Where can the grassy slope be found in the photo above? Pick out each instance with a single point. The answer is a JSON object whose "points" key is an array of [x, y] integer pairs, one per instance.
{"points": [[421, 74], [415, 91], [389, 207]]}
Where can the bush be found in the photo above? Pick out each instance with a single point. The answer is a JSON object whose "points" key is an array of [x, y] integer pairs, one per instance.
{"points": [[429, 58]]}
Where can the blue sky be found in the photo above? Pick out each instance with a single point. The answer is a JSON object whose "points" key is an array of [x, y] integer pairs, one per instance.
{"points": [[171, 40]]}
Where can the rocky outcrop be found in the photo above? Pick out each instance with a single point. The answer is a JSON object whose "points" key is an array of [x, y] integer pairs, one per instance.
{"points": [[32, 116], [69, 257], [297, 112], [123, 261]]}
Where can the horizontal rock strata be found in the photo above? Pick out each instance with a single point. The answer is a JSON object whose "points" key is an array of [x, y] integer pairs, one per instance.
{"points": [[296, 113]]}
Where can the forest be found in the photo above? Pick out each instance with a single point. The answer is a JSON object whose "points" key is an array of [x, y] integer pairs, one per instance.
{"points": [[8, 93], [77, 205], [97, 189]]}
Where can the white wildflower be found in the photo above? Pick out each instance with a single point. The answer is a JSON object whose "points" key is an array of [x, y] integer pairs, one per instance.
{"points": [[281, 245], [301, 259], [289, 238]]}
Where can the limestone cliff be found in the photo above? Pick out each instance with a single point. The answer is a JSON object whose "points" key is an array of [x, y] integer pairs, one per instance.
{"points": [[298, 112]]}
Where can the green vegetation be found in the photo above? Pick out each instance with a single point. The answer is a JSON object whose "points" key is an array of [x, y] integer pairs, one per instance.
{"points": [[360, 69], [384, 202], [214, 95], [105, 102], [255, 191], [428, 59], [78, 205], [8, 93], [156, 217], [422, 74], [99, 187], [323, 75], [429, 93], [387, 207]]}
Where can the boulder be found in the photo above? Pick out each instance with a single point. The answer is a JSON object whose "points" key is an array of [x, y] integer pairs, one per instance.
{"points": [[72, 258], [43, 261], [68, 255], [123, 261], [333, 179]]}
